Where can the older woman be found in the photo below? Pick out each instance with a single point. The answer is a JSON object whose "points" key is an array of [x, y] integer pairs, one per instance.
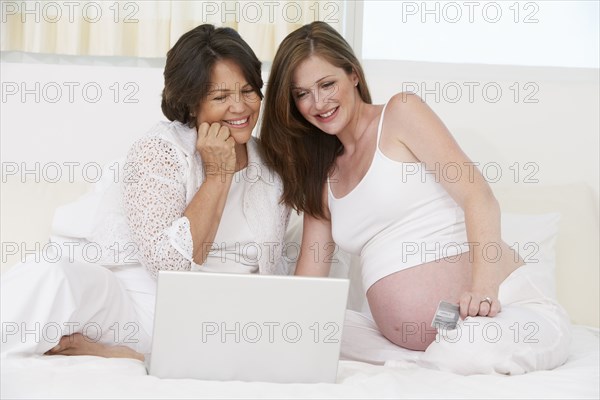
{"points": [[195, 195]]}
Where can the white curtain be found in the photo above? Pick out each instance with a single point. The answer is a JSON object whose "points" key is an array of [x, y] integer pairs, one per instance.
{"points": [[150, 28]]}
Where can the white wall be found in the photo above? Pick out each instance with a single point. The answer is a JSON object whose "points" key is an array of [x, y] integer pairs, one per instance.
{"points": [[541, 33]]}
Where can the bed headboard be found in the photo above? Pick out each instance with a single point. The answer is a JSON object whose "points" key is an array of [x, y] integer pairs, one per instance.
{"points": [[577, 251]]}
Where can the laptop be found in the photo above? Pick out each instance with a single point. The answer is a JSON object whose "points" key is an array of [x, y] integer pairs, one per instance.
{"points": [[268, 328]]}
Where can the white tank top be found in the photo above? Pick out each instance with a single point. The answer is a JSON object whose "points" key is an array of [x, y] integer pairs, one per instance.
{"points": [[397, 215], [233, 249]]}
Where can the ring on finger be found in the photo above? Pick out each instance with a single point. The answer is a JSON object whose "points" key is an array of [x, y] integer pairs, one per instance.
{"points": [[486, 300]]}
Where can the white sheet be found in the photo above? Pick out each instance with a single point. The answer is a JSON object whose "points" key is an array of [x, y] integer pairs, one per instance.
{"points": [[94, 377]]}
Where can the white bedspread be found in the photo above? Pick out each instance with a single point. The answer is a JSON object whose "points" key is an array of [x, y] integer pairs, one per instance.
{"points": [[95, 377]]}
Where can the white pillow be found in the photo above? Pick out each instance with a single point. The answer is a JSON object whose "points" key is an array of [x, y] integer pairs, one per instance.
{"points": [[533, 236]]}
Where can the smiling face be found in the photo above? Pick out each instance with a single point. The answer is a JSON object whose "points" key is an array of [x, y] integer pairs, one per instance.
{"points": [[325, 95], [230, 101]]}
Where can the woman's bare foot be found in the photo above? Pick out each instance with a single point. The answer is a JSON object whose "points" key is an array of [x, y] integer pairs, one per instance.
{"points": [[77, 345]]}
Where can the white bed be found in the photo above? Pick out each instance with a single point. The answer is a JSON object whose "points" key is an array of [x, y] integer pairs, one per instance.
{"points": [[27, 210], [94, 377]]}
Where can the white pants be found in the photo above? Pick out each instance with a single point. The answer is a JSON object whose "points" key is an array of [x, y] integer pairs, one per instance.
{"points": [[532, 332], [42, 301]]}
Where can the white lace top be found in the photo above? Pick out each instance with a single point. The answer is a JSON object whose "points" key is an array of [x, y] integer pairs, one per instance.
{"points": [[140, 218]]}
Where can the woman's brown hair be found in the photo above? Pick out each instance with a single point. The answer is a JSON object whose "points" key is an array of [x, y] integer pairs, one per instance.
{"points": [[301, 153], [189, 67]]}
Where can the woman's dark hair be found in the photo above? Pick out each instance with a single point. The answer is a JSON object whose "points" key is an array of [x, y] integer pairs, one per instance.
{"points": [[190, 64], [301, 153]]}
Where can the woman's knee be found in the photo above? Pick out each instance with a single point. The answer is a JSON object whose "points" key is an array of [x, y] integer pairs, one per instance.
{"points": [[517, 341]]}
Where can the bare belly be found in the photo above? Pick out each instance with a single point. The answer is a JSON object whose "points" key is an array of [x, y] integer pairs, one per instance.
{"points": [[403, 303]]}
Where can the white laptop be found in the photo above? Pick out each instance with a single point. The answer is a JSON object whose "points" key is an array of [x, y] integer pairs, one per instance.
{"points": [[266, 328]]}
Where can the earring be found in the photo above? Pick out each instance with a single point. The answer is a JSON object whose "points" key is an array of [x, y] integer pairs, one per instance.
{"points": [[356, 84]]}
